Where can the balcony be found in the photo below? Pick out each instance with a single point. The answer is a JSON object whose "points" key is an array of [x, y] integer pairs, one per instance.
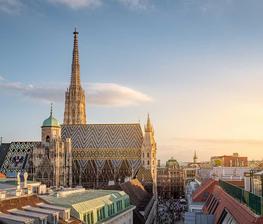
{"points": [[254, 202]]}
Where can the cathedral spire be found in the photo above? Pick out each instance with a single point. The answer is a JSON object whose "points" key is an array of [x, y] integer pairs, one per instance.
{"points": [[75, 101], [75, 67], [148, 127]]}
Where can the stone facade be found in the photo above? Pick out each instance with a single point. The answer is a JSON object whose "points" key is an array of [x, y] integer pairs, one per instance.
{"points": [[148, 155], [52, 159], [170, 180], [75, 101]]}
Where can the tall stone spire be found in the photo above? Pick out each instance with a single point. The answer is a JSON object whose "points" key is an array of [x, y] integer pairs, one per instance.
{"points": [[75, 101], [148, 127], [75, 68]]}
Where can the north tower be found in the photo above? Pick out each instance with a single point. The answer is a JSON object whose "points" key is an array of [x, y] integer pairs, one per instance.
{"points": [[75, 101]]}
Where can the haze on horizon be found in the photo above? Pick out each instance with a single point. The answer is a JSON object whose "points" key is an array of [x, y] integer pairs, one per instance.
{"points": [[195, 66]]}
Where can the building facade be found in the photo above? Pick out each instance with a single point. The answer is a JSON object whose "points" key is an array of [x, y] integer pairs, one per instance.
{"points": [[229, 161], [170, 180], [52, 158]]}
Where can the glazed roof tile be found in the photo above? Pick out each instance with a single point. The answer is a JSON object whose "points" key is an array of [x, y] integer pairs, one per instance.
{"points": [[95, 136]]}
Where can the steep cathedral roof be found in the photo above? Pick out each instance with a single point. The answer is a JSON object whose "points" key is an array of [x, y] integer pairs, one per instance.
{"points": [[95, 136]]}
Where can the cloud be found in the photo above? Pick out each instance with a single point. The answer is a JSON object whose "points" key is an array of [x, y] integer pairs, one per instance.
{"points": [[100, 94], [135, 4], [10, 6], [77, 4], [111, 94]]}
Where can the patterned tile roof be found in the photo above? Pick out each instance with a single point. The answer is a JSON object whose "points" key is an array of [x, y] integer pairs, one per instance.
{"points": [[144, 175], [3, 151], [95, 136], [16, 158]]}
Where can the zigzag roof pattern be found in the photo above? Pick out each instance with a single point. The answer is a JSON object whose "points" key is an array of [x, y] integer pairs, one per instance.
{"points": [[95, 136], [16, 157]]}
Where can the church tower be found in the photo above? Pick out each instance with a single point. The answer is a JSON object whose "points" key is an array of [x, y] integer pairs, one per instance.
{"points": [[75, 101], [149, 150], [50, 129]]}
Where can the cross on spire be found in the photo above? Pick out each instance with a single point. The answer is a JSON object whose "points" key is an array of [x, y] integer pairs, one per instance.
{"points": [[51, 109]]}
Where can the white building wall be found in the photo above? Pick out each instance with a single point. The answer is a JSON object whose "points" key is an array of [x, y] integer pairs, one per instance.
{"points": [[123, 218]]}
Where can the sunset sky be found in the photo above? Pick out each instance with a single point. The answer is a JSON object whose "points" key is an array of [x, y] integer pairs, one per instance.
{"points": [[195, 65]]}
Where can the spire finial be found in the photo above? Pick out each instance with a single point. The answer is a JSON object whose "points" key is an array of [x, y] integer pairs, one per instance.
{"points": [[195, 157], [51, 109], [75, 31]]}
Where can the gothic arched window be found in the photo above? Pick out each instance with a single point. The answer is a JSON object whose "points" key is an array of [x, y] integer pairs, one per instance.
{"points": [[48, 139]]}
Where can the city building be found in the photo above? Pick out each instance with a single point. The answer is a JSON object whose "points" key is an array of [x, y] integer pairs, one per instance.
{"points": [[253, 181], [191, 169], [229, 161], [224, 202], [229, 173], [20, 199], [170, 180], [94, 206]]}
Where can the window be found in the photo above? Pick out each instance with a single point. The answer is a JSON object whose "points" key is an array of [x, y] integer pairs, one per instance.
{"points": [[148, 162], [111, 209], [226, 218], [88, 218], [101, 213], [119, 205], [148, 155], [47, 139], [127, 202]]}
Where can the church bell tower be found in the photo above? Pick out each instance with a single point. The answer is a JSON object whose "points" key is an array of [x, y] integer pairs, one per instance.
{"points": [[75, 101]]}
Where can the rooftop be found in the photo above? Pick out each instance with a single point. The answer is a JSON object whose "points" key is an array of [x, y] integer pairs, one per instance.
{"points": [[85, 200]]}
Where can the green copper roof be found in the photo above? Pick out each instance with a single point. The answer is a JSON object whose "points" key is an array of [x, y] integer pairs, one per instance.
{"points": [[51, 121]]}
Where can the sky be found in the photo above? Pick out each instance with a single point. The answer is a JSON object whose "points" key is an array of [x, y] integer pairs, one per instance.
{"points": [[194, 65]]}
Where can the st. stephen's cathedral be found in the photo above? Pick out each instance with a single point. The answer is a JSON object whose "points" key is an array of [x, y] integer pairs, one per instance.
{"points": [[78, 153]]}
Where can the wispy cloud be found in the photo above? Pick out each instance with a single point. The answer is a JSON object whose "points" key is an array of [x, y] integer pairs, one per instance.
{"points": [[10, 6], [77, 4], [135, 4], [111, 94], [100, 94], [15, 6]]}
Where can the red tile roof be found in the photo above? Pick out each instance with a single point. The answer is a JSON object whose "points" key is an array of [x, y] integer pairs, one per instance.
{"points": [[202, 193], [137, 193], [241, 213]]}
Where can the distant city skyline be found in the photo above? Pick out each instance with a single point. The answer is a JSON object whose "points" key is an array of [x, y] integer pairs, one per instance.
{"points": [[195, 66]]}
